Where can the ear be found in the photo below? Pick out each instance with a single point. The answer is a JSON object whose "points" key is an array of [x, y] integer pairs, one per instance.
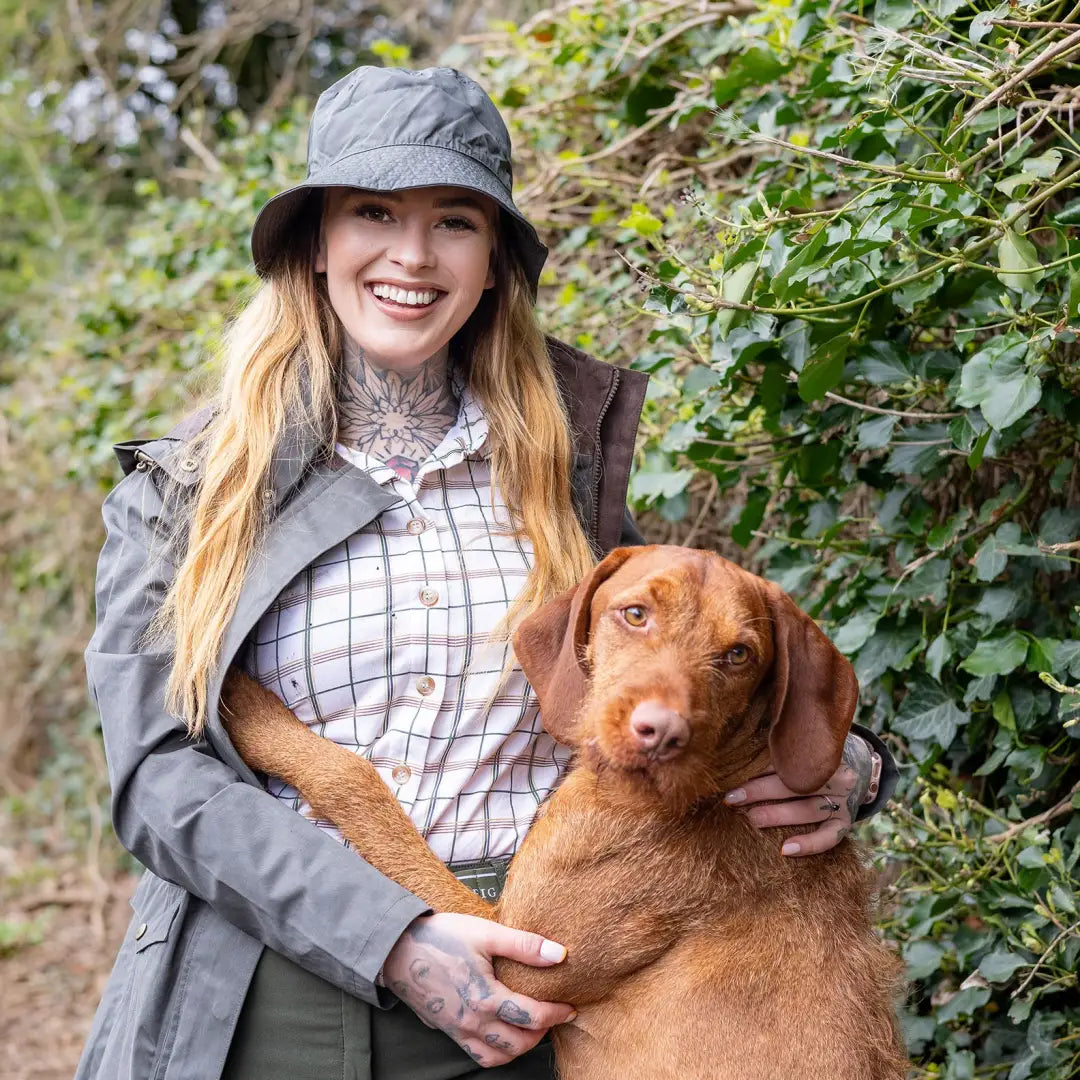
{"points": [[814, 697], [550, 647]]}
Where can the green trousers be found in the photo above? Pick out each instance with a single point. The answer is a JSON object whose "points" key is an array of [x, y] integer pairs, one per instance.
{"points": [[295, 1026]]}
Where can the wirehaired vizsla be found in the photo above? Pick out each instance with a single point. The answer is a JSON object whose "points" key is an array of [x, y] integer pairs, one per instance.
{"points": [[676, 676]]}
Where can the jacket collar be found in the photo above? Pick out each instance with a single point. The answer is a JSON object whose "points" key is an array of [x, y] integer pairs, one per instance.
{"points": [[603, 404]]}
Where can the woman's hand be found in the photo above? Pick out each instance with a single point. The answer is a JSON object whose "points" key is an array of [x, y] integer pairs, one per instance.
{"points": [[834, 806], [441, 968]]}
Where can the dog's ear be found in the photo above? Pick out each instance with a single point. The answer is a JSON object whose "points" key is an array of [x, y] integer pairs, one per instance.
{"points": [[814, 697], [550, 647]]}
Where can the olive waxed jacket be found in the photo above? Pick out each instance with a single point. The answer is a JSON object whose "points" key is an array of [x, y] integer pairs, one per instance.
{"points": [[231, 870]]}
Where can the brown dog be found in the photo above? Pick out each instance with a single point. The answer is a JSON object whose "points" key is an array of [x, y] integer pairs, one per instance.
{"points": [[696, 951]]}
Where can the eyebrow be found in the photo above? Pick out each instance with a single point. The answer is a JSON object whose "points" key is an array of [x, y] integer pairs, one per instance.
{"points": [[454, 202]]}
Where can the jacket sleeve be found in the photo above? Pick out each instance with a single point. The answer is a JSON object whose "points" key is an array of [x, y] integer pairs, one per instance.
{"points": [[190, 818], [889, 773], [631, 536]]}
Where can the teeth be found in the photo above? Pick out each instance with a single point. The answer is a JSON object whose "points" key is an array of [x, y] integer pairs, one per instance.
{"points": [[403, 296]]}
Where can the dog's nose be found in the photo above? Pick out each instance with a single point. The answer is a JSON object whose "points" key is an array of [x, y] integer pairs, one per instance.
{"points": [[658, 730]]}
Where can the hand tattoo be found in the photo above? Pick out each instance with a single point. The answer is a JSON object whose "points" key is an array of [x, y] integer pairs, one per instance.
{"points": [[396, 418], [513, 1014]]}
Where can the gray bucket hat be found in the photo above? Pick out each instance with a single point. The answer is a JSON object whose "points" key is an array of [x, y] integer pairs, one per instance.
{"points": [[388, 129]]}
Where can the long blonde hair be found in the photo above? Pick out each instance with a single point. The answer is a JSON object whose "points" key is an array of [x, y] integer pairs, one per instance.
{"points": [[281, 361]]}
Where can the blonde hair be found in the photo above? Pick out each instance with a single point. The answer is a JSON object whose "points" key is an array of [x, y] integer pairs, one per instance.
{"points": [[281, 361]]}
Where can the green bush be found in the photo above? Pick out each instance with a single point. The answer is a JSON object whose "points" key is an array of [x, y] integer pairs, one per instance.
{"points": [[851, 229]]}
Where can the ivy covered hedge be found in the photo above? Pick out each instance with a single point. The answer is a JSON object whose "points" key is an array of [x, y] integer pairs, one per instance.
{"points": [[849, 260], [840, 236]]}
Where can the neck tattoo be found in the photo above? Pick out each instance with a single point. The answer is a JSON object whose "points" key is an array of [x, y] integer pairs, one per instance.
{"points": [[396, 417]]}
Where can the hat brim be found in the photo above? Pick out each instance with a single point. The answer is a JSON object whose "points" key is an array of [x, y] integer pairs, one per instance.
{"points": [[392, 168]]}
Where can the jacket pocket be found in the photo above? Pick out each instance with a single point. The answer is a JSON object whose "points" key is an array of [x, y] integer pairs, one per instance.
{"points": [[157, 971]]}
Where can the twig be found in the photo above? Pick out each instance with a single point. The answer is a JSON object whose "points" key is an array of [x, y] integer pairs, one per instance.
{"points": [[1021, 24], [701, 20], [199, 149], [1052, 53], [891, 412], [706, 506], [1063, 807], [1039, 963], [1053, 549]]}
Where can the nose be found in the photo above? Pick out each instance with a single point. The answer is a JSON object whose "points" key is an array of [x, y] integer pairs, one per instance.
{"points": [[658, 730], [411, 247]]}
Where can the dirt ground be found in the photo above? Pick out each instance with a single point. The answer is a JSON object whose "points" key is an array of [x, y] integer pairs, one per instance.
{"points": [[49, 990]]}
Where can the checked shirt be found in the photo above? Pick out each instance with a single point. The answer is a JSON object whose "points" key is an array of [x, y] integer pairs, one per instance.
{"points": [[380, 645]]}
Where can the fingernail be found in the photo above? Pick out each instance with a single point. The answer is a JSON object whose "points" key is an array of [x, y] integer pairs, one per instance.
{"points": [[736, 796], [553, 951], [791, 848], [571, 1018]]}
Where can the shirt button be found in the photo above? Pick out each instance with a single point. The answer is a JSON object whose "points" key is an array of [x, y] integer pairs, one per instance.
{"points": [[428, 597], [425, 684], [401, 773], [416, 526], [140, 931]]}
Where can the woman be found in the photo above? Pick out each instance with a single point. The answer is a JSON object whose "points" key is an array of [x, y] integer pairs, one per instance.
{"points": [[398, 467]]}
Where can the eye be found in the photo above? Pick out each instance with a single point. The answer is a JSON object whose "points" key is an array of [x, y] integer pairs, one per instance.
{"points": [[635, 615], [737, 654], [371, 212], [459, 224]]}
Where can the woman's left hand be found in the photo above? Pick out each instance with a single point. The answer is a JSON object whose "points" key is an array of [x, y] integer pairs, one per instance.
{"points": [[832, 807]]}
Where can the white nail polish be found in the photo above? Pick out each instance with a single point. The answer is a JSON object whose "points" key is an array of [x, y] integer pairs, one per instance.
{"points": [[791, 848], [736, 796], [553, 951]]}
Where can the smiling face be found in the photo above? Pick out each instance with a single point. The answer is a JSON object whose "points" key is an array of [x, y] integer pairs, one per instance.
{"points": [[405, 270]]}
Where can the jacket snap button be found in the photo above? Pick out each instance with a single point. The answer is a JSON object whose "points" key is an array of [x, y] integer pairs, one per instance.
{"points": [[189, 464], [425, 684], [429, 597], [401, 773], [140, 931]]}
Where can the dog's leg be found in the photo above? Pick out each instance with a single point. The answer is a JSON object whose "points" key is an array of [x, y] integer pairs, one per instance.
{"points": [[344, 788]]}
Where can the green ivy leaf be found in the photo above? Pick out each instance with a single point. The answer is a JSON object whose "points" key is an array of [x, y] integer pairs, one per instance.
{"points": [[1001, 965], [1019, 262], [938, 655], [855, 631], [876, 433], [963, 1003], [929, 713], [922, 958], [824, 369], [996, 379], [751, 517], [997, 655], [1003, 711], [642, 221]]}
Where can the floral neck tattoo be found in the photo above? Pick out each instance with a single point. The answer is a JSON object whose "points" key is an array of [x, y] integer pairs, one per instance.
{"points": [[397, 418]]}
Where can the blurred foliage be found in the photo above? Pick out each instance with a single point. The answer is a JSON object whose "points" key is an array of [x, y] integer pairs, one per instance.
{"points": [[841, 238]]}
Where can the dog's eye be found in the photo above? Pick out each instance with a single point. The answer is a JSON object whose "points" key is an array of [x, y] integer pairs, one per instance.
{"points": [[737, 654], [635, 616]]}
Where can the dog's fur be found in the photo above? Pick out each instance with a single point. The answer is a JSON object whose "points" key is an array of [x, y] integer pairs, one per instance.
{"points": [[696, 951]]}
